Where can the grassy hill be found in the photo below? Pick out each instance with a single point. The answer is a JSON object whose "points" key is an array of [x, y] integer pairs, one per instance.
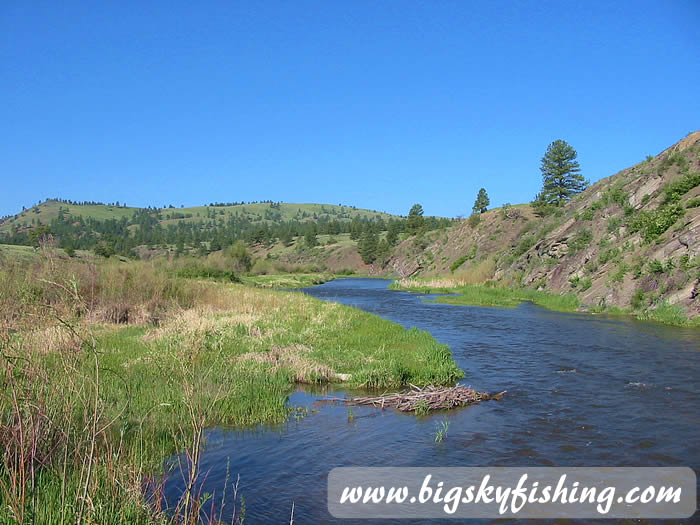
{"points": [[320, 236], [48, 210], [630, 241]]}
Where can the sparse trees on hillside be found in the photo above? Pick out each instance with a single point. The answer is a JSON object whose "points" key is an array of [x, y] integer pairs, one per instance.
{"points": [[561, 177], [482, 201]]}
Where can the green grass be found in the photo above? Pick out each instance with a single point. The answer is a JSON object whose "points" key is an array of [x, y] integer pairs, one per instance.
{"points": [[341, 240], [287, 211], [143, 393], [49, 211], [286, 281], [482, 295], [18, 253], [510, 298], [668, 314]]}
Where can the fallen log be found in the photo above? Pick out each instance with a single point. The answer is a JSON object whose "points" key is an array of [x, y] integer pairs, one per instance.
{"points": [[425, 399]]}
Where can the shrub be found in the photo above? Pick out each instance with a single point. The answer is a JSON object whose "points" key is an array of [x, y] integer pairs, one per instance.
{"points": [[651, 224], [637, 300], [619, 275], [474, 220], [591, 266], [614, 224], [609, 255], [597, 205], [582, 283], [525, 244], [673, 191], [614, 195], [459, 262], [206, 272], [637, 270], [655, 266], [693, 203], [588, 214], [580, 240]]}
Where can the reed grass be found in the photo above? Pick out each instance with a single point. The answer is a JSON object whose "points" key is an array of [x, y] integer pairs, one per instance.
{"points": [[108, 369]]}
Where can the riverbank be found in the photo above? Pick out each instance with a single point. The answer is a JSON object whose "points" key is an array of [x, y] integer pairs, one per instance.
{"points": [[496, 296], [109, 369]]}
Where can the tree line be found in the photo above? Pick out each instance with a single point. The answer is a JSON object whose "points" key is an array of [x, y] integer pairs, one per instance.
{"points": [[215, 232]]}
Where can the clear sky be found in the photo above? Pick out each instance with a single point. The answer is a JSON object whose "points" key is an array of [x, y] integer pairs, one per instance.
{"points": [[378, 104]]}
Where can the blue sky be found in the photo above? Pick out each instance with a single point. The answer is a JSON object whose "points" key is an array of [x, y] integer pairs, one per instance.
{"points": [[378, 104]]}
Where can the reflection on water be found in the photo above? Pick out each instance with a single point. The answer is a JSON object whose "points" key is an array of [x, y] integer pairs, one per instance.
{"points": [[582, 391]]}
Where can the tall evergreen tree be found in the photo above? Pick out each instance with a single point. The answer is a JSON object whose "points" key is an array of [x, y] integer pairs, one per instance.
{"points": [[367, 246], [415, 219], [310, 238], [561, 175], [482, 201]]}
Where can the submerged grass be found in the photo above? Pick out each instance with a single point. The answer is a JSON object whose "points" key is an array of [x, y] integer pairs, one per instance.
{"points": [[93, 401]]}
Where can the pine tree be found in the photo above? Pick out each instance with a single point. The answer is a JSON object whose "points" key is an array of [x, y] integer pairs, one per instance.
{"points": [[415, 219], [367, 246], [561, 176], [310, 238], [482, 201]]}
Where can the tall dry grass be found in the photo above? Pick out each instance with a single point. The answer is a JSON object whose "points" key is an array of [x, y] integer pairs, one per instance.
{"points": [[65, 456], [476, 273]]}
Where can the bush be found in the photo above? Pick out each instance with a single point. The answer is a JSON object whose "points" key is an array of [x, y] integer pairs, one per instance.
{"points": [[673, 191], [655, 266], [619, 275], [581, 240], [651, 224], [459, 262], [637, 300], [240, 255], [582, 283], [609, 255], [206, 272], [474, 220], [588, 214], [525, 244], [614, 224]]}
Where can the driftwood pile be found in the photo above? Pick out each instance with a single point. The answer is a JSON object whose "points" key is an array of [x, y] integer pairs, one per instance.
{"points": [[426, 399]]}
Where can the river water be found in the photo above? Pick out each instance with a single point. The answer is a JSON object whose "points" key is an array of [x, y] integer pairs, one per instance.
{"points": [[583, 390]]}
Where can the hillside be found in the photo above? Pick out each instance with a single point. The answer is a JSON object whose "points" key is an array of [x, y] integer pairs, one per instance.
{"points": [[630, 240], [268, 212]]}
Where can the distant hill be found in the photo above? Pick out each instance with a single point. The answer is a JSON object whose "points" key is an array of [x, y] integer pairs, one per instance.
{"points": [[272, 228], [48, 210], [630, 240]]}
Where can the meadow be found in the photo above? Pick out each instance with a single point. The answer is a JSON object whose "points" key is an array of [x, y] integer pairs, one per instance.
{"points": [[109, 368]]}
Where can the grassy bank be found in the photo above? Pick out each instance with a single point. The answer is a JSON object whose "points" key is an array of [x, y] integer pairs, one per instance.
{"points": [[287, 280], [484, 295], [487, 295], [108, 369]]}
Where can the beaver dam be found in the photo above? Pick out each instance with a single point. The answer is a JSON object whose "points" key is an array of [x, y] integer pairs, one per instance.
{"points": [[425, 399]]}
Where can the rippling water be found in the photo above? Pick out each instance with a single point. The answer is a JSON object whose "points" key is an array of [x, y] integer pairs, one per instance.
{"points": [[582, 391]]}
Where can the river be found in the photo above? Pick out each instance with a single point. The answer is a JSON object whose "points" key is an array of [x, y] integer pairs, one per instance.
{"points": [[583, 390]]}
